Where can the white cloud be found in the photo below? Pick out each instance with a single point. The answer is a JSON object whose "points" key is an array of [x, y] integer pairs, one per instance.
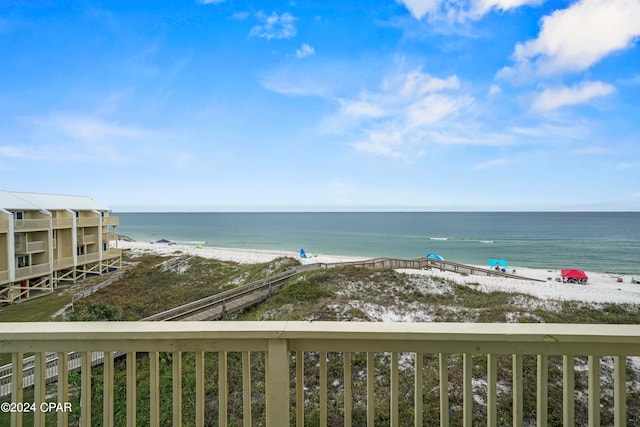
{"points": [[305, 50], [420, 8], [275, 26], [495, 90], [418, 83], [551, 99], [404, 116], [460, 10], [434, 108], [210, 1], [361, 109], [575, 38]]}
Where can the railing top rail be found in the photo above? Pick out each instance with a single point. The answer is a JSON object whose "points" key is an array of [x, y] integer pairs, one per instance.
{"points": [[532, 332]]}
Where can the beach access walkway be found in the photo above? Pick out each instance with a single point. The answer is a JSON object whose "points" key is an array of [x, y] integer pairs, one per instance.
{"points": [[221, 305]]}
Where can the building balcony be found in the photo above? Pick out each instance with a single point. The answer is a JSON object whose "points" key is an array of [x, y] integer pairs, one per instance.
{"points": [[62, 223], [88, 239], [31, 247], [90, 221], [59, 264], [31, 224], [111, 220], [293, 373], [32, 271], [87, 258], [4, 276], [109, 237]]}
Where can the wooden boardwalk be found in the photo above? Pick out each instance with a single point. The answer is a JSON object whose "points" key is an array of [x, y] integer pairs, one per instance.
{"points": [[221, 305]]}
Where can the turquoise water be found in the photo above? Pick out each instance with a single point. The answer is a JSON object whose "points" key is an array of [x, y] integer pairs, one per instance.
{"points": [[595, 241]]}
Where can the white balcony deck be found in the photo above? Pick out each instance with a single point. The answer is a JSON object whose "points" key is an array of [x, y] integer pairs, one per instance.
{"points": [[285, 345]]}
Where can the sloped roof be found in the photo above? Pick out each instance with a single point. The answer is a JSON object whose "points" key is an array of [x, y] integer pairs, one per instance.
{"points": [[13, 200]]}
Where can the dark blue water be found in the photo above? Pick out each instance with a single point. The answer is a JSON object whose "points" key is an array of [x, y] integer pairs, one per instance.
{"points": [[596, 241]]}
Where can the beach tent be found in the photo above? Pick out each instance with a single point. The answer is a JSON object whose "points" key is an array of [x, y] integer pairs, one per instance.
{"points": [[494, 262], [571, 273], [303, 254], [434, 256]]}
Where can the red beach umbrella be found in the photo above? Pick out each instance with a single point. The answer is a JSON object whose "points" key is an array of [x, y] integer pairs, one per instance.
{"points": [[574, 274]]}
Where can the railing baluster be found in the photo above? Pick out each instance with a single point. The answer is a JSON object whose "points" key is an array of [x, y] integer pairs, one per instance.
{"points": [[620, 391], [594, 391], [418, 393], [85, 390], [347, 388], [394, 389], [492, 382], [63, 388], [200, 389], [222, 389], [542, 400], [246, 389], [568, 385], [467, 390], [323, 389], [131, 389], [39, 385], [518, 413], [299, 389], [370, 389], [154, 388], [443, 359], [176, 366], [17, 394], [277, 383], [107, 403]]}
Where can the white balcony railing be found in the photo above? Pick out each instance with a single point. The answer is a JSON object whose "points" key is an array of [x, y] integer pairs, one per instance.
{"points": [[331, 370]]}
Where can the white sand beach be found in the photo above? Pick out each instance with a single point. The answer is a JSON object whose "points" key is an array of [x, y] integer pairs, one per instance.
{"points": [[600, 288]]}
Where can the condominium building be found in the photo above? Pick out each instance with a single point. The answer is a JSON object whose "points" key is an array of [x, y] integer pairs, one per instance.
{"points": [[48, 239]]}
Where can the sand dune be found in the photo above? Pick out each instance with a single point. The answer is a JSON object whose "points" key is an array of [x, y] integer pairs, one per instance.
{"points": [[601, 287]]}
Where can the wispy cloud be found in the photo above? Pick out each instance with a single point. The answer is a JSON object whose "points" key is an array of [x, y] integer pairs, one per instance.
{"points": [[89, 128], [305, 50], [555, 98], [209, 1], [406, 114], [274, 26], [575, 38], [458, 11]]}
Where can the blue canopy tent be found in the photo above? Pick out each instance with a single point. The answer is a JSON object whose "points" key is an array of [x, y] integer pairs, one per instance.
{"points": [[303, 254], [435, 256], [498, 264]]}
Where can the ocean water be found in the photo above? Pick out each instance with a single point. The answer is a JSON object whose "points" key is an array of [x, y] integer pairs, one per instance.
{"points": [[595, 241]]}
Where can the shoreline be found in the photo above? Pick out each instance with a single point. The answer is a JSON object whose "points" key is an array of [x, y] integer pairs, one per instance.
{"points": [[600, 288]]}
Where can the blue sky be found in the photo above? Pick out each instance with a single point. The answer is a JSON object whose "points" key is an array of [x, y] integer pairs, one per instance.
{"points": [[323, 105]]}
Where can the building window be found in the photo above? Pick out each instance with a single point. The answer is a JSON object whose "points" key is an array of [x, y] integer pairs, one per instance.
{"points": [[80, 250], [22, 260], [20, 215]]}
